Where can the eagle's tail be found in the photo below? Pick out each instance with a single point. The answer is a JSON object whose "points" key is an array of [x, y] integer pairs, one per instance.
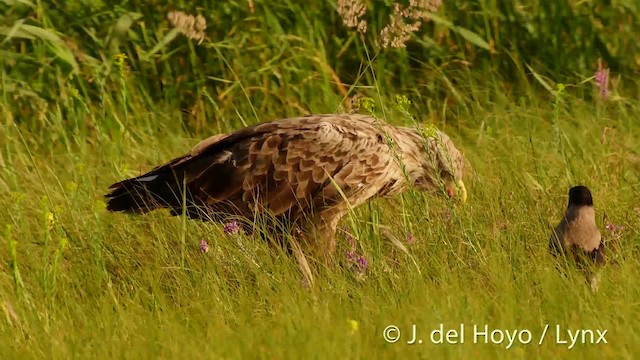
{"points": [[145, 193]]}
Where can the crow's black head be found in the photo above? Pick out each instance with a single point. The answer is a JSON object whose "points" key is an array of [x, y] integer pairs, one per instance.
{"points": [[580, 196]]}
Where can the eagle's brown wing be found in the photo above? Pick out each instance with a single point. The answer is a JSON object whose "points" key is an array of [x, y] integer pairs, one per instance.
{"points": [[285, 165]]}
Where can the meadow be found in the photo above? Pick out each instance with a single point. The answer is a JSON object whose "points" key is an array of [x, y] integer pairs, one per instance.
{"points": [[91, 93]]}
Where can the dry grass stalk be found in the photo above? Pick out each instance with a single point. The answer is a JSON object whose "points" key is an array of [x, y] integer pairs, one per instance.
{"points": [[351, 12], [404, 21], [191, 26]]}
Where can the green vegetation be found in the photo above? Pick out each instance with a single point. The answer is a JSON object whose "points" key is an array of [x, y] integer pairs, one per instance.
{"points": [[91, 92]]}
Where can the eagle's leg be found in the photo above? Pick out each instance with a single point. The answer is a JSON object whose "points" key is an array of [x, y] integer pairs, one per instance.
{"points": [[316, 237], [324, 235], [301, 259]]}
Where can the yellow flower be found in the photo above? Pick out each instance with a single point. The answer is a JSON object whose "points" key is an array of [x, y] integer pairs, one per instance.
{"points": [[50, 219], [353, 325], [120, 58], [63, 243], [72, 186], [100, 205], [429, 131], [403, 102], [120, 63], [74, 92], [367, 103], [17, 197]]}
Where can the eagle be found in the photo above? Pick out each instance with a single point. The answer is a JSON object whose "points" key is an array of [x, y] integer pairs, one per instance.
{"points": [[307, 172], [577, 235]]}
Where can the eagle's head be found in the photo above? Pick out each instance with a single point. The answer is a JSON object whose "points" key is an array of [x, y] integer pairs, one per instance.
{"points": [[433, 163]]}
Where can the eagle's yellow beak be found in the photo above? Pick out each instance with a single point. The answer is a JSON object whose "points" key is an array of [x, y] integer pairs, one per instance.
{"points": [[463, 191]]}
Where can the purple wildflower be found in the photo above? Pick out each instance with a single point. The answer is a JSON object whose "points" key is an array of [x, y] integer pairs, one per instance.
{"points": [[231, 228], [204, 246], [362, 263], [351, 253], [410, 239], [602, 81], [614, 229]]}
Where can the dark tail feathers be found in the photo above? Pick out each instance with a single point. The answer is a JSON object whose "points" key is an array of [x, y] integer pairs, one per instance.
{"points": [[145, 193]]}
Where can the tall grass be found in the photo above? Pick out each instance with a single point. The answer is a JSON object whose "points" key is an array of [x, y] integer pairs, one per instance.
{"points": [[92, 92]]}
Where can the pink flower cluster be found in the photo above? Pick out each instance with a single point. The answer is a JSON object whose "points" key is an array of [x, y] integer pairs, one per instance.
{"points": [[360, 261]]}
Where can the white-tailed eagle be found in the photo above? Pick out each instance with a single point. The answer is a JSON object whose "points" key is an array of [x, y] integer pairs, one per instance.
{"points": [[306, 170]]}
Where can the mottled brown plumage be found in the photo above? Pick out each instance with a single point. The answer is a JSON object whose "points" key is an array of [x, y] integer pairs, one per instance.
{"points": [[290, 168]]}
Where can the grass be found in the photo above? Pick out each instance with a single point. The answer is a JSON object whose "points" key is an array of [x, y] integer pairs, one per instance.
{"points": [[84, 283], [79, 282]]}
